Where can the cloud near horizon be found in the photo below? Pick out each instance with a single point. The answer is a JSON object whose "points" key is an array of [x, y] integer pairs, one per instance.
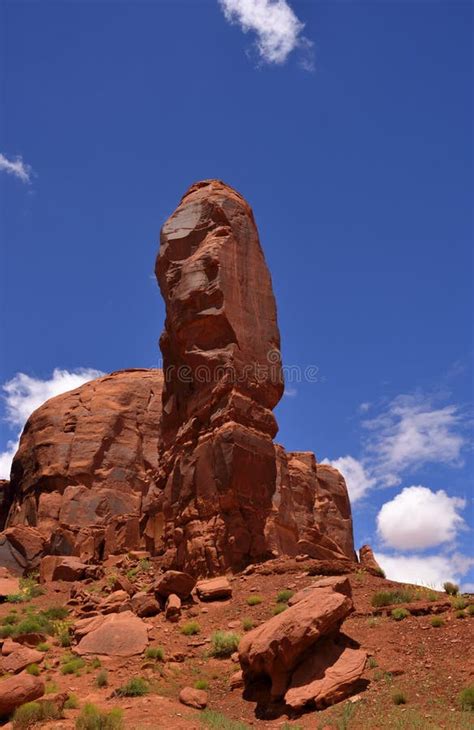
{"points": [[278, 30], [427, 570], [23, 394], [16, 167]]}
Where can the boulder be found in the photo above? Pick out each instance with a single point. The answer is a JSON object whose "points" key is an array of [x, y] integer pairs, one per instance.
{"points": [[61, 567], [16, 690], [21, 548], [121, 583], [114, 602], [327, 676], [340, 584], [118, 634], [214, 589], [277, 646], [8, 584], [173, 608], [10, 646], [144, 604], [19, 659], [174, 581], [191, 697]]}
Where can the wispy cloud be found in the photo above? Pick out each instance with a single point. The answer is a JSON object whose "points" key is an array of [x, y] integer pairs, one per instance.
{"points": [[16, 167], [278, 29], [403, 437], [23, 394]]}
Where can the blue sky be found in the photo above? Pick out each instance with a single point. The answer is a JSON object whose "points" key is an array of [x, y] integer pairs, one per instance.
{"points": [[351, 139]]}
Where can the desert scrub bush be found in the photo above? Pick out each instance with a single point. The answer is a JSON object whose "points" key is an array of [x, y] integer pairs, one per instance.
{"points": [[32, 713], [459, 603], [155, 652], [399, 698], [452, 589], [135, 687], [372, 662], [437, 622], [284, 596], [247, 624], [254, 600], [218, 721], [460, 614], [33, 669], [470, 609], [56, 613], [279, 608], [372, 622], [380, 572], [466, 698], [224, 643], [387, 598], [72, 703], [72, 665], [398, 614], [190, 628], [91, 718], [132, 573], [16, 598], [61, 629], [51, 688], [201, 684], [144, 565], [96, 663], [102, 679], [43, 646]]}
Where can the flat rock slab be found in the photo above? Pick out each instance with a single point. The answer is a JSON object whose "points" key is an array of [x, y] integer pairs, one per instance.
{"points": [[8, 586], [19, 659], [214, 589], [118, 634], [327, 676]]}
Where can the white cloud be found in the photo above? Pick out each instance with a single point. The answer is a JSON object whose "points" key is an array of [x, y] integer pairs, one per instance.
{"points": [[16, 167], [23, 394], [431, 570], [418, 518], [411, 433], [278, 29], [290, 392], [357, 480]]}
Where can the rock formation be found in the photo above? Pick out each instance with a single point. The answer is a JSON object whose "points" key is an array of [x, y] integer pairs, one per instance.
{"points": [[182, 463], [85, 460], [227, 494]]}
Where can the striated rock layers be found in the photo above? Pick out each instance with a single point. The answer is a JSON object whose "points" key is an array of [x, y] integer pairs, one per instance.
{"points": [[86, 459], [226, 493], [183, 463]]}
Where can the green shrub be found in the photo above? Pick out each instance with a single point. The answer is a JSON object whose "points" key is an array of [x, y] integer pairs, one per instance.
{"points": [[56, 613], [42, 646], [136, 687], [254, 600], [51, 688], [470, 609], [218, 721], [96, 663], [387, 598], [155, 652], [10, 619], [452, 589], [372, 622], [399, 698], [460, 614], [72, 703], [284, 596], [247, 624], [33, 669], [398, 614], [224, 643], [432, 596], [201, 684], [132, 573], [437, 622], [380, 572], [279, 608], [190, 628], [102, 679], [144, 565], [372, 662], [466, 698], [16, 598], [91, 718], [32, 713], [73, 666], [459, 603]]}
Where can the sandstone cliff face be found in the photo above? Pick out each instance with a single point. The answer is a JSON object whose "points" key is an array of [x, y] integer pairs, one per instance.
{"points": [[182, 462], [227, 495], [85, 460]]}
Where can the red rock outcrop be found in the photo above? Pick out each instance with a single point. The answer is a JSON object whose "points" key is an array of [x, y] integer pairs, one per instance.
{"points": [[85, 460], [368, 561], [182, 463]]}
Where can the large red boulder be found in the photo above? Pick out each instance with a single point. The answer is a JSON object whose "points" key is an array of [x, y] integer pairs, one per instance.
{"points": [[16, 690]]}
